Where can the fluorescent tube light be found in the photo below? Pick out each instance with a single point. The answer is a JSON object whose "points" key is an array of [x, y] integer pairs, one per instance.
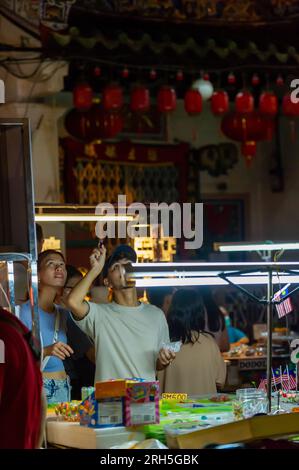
{"points": [[234, 247], [82, 218]]}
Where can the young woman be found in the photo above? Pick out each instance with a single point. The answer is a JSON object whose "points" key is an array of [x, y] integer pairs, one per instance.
{"points": [[53, 325], [199, 367]]}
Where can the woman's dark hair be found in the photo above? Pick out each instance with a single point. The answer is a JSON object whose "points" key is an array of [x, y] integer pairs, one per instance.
{"points": [[72, 271], [156, 295], [215, 320], [43, 255], [186, 319]]}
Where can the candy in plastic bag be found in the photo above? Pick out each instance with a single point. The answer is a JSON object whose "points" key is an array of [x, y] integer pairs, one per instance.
{"points": [[174, 346]]}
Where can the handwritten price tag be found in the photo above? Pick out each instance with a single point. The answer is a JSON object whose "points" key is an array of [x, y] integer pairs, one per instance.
{"points": [[174, 396]]}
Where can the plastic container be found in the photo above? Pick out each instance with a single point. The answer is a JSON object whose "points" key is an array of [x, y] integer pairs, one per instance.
{"points": [[252, 401], [86, 392]]}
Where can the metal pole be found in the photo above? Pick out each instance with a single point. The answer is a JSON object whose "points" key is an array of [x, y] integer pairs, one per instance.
{"points": [[269, 338], [34, 302], [11, 284]]}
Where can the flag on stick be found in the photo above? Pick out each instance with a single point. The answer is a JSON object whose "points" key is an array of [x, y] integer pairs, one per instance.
{"points": [[284, 307]]}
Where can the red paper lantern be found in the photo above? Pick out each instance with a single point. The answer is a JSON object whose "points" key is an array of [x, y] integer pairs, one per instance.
{"points": [[244, 102], [125, 73], [113, 99], [78, 125], [255, 80], [179, 76], [153, 74], [166, 99], [193, 102], [245, 127], [104, 124], [248, 149], [96, 123], [231, 79], [289, 108], [112, 124], [140, 99], [268, 104], [82, 96], [279, 81], [219, 103], [270, 128]]}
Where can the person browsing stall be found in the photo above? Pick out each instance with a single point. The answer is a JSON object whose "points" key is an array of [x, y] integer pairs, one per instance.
{"points": [[128, 334], [199, 367], [53, 325]]}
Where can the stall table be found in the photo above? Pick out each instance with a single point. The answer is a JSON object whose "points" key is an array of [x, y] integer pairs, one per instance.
{"points": [[204, 420], [72, 435]]}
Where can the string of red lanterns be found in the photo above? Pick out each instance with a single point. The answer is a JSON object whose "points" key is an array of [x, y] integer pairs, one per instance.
{"points": [[244, 125]]}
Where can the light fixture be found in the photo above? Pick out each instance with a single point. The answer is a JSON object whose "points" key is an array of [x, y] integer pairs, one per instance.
{"points": [[209, 274], [222, 266], [254, 246], [181, 281], [76, 213], [82, 218]]}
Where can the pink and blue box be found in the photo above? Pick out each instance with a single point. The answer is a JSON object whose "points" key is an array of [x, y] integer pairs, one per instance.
{"points": [[121, 403]]}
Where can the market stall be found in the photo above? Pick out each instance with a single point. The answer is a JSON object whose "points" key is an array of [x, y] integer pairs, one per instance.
{"points": [[193, 422]]}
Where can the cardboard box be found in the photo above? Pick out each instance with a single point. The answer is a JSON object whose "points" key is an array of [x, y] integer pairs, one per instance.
{"points": [[142, 403], [107, 412], [110, 389]]}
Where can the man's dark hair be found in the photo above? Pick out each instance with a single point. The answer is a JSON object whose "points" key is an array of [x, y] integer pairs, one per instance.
{"points": [[43, 255], [39, 233]]}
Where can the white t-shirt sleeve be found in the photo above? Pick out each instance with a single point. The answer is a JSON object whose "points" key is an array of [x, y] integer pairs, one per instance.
{"points": [[87, 324], [163, 332]]}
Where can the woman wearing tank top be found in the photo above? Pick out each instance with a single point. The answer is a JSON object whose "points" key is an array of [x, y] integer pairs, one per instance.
{"points": [[53, 325]]}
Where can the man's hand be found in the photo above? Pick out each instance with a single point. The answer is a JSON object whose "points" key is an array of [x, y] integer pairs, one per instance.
{"points": [[97, 259], [59, 349], [76, 299], [165, 358]]}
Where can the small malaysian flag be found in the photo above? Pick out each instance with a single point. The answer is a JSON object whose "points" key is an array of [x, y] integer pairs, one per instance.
{"points": [[285, 306], [288, 381], [276, 377]]}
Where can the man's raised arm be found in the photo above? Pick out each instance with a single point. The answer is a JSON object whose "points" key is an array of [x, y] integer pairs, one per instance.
{"points": [[76, 299]]}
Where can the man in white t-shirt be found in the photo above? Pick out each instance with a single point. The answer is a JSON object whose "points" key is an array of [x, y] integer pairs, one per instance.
{"points": [[128, 334]]}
